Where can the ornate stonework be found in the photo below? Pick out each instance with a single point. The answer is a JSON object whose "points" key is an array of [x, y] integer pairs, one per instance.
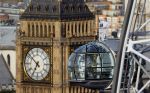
{"points": [[59, 27]]}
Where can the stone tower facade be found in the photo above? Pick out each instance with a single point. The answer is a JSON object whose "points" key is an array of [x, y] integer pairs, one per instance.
{"points": [[57, 27]]}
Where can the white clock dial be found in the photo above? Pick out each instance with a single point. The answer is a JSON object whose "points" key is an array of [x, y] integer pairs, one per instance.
{"points": [[37, 64]]}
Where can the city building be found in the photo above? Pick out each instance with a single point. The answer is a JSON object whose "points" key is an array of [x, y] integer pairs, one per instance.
{"points": [[108, 12], [7, 47], [7, 57], [50, 30], [145, 31], [11, 1], [27, 2], [7, 81], [13, 8], [3, 18], [8, 20]]}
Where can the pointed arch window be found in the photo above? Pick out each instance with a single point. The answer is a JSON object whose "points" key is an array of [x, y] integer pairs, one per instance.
{"points": [[80, 8], [41, 30], [75, 29], [31, 8], [83, 28], [45, 27], [49, 30], [63, 30], [29, 30], [68, 27], [54, 9], [53, 31], [33, 30], [72, 30], [72, 8], [66, 9], [79, 29], [38, 8], [86, 28], [47, 8], [68, 30], [85, 8], [37, 30], [8, 60]]}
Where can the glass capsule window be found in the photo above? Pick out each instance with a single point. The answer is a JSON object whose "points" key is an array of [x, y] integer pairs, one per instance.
{"points": [[93, 61]]}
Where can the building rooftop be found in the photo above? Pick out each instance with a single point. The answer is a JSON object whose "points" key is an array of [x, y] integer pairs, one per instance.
{"points": [[57, 10], [113, 44], [6, 77], [7, 37]]}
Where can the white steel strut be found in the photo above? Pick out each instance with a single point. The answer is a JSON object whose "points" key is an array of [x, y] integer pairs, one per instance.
{"points": [[134, 24]]}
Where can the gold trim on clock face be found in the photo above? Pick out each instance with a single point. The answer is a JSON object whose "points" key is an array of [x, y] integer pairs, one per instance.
{"points": [[37, 64]]}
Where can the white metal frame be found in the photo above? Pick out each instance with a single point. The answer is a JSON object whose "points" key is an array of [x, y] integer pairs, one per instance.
{"points": [[139, 61], [124, 48], [128, 47]]}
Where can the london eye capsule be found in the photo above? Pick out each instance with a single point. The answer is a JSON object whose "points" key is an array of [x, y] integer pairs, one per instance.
{"points": [[92, 63]]}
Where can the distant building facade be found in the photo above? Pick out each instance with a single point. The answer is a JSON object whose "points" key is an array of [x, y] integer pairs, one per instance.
{"points": [[110, 11], [146, 15], [7, 81], [27, 2], [9, 54], [7, 47], [4, 17], [7, 58]]}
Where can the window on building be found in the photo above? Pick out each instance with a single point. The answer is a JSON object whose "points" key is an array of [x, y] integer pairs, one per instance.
{"points": [[53, 31], [72, 29], [85, 8], [68, 27], [45, 27], [75, 30], [49, 30], [66, 9], [47, 8], [72, 8], [64, 30], [32, 29], [120, 7], [79, 9], [37, 30], [86, 28], [101, 25], [83, 28], [41, 30], [54, 9], [31, 8], [79, 29], [8, 60], [68, 32], [38, 8], [28, 29]]}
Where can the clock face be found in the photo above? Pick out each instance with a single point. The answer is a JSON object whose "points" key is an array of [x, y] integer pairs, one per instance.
{"points": [[37, 64]]}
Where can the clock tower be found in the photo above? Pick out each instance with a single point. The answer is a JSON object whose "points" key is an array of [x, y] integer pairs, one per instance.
{"points": [[49, 31]]}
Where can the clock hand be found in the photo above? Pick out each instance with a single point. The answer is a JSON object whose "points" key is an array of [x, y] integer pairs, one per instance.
{"points": [[37, 64], [34, 70], [33, 58]]}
